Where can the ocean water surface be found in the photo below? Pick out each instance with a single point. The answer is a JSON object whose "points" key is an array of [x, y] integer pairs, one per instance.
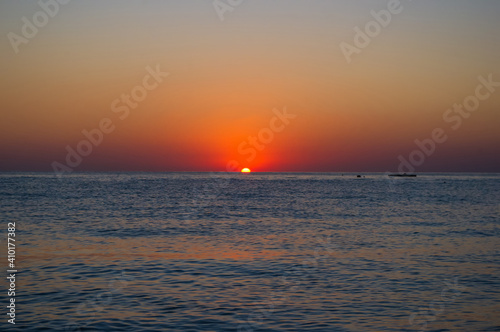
{"points": [[254, 252]]}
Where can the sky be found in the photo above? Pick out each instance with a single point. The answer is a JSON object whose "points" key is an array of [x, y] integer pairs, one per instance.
{"points": [[306, 86]]}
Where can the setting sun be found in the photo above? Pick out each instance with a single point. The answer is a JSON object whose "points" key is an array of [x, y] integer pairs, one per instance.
{"points": [[246, 170]]}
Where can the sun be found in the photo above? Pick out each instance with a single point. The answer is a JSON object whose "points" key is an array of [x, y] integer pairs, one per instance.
{"points": [[246, 170]]}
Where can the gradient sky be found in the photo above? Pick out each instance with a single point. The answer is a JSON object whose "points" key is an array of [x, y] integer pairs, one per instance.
{"points": [[226, 77]]}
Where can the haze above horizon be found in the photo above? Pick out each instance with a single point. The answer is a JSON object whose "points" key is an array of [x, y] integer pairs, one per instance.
{"points": [[316, 86]]}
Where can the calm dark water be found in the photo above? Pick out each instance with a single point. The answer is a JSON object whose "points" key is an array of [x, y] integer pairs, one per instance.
{"points": [[258, 252]]}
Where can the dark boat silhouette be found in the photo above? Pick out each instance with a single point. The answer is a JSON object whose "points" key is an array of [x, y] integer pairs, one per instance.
{"points": [[404, 175]]}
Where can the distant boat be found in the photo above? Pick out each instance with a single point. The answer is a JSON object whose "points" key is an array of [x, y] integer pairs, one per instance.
{"points": [[404, 175]]}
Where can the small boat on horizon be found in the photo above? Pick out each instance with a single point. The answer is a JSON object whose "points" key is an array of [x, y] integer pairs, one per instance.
{"points": [[404, 175]]}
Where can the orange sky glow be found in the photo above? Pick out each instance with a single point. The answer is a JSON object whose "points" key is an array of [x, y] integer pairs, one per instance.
{"points": [[180, 90]]}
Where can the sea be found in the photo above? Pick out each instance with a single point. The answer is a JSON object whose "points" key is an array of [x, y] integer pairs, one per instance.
{"points": [[251, 252]]}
